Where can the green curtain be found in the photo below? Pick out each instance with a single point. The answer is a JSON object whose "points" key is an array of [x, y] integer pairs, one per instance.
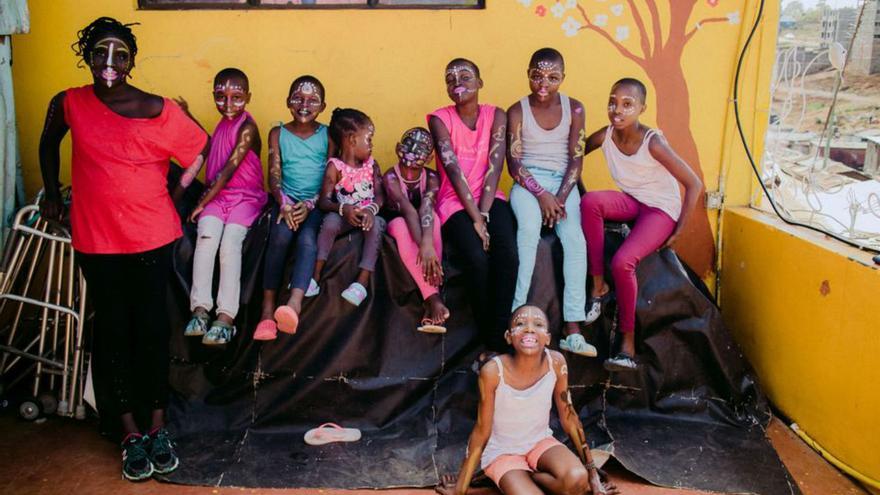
{"points": [[14, 19]]}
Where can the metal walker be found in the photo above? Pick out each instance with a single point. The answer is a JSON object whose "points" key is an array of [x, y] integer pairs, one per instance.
{"points": [[44, 335]]}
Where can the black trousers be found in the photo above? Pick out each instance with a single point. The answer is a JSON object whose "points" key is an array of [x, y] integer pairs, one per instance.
{"points": [[491, 276], [130, 355]]}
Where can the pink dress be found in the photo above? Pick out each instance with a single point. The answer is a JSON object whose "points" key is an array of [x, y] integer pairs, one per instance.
{"points": [[471, 147], [243, 197]]}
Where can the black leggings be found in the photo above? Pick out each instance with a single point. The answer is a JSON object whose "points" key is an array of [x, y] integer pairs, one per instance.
{"points": [[129, 293], [490, 304]]}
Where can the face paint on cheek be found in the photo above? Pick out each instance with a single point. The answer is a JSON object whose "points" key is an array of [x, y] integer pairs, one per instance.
{"points": [[115, 49]]}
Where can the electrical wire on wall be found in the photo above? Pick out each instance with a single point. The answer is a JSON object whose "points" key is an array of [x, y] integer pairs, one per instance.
{"points": [[736, 89]]}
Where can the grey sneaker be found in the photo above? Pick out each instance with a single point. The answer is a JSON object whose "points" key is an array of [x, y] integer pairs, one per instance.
{"points": [[219, 334]]}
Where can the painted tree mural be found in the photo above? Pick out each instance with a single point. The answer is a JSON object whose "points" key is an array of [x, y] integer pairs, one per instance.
{"points": [[661, 46]]}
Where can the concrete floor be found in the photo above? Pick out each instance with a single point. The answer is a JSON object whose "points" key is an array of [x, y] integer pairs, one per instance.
{"points": [[68, 457]]}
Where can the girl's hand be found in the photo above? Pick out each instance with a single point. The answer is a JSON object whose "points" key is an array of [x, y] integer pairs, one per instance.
{"points": [[482, 232], [432, 270], [551, 210], [182, 104], [194, 216], [284, 213], [298, 214], [599, 488], [367, 219], [352, 215], [672, 238], [447, 485]]}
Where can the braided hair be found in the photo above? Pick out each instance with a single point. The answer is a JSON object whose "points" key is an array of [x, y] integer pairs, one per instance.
{"points": [[345, 122], [100, 28]]}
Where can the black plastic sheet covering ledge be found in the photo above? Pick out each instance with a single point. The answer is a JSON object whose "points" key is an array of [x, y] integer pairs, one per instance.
{"points": [[693, 416]]}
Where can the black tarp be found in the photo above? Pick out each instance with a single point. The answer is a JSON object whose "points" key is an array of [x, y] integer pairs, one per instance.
{"points": [[693, 416]]}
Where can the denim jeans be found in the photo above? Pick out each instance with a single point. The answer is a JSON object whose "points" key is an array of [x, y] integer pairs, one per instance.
{"points": [[574, 247]]}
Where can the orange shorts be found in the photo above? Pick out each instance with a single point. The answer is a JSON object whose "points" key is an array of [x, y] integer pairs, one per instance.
{"points": [[510, 462]]}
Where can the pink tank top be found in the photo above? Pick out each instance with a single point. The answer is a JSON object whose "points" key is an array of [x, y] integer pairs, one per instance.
{"points": [[244, 191], [471, 147], [641, 176]]}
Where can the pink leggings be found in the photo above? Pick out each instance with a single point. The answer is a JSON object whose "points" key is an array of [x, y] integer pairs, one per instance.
{"points": [[652, 228], [409, 252]]}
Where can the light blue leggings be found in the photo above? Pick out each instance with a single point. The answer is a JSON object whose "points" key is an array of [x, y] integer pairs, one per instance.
{"points": [[574, 247]]}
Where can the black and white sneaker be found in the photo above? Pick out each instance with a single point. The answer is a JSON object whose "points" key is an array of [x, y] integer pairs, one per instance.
{"points": [[136, 465], [621, 362], [160, 450]]}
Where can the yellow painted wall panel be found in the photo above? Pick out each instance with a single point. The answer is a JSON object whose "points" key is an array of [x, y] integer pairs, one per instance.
{"points": [[805, 310]]}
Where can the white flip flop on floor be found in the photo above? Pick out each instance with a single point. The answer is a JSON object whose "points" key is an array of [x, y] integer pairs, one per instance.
{"points": [[331, 432]]}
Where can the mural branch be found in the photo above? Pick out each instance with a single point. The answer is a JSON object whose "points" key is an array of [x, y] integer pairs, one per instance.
{"points": [[662, 63]]}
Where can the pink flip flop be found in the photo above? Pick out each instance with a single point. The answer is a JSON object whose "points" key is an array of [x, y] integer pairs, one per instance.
{"points": [[331, 432], [287, 319], [265, 330]]}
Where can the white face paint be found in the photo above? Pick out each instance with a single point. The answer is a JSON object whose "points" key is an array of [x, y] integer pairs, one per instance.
{"points": [[629, 105], [112, 56], [457, 75], [230, 98]]}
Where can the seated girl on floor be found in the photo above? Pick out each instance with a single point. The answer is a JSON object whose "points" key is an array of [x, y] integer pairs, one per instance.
{"points": [[232, 201], [648, 172], [411, 190], [351, 196], [512, 440], [298, 152]]}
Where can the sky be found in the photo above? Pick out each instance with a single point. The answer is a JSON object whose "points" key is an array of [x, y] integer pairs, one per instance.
{"points": [[831, 3]]}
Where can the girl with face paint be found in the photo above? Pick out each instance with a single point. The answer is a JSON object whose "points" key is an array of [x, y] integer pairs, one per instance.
{"points": [[232, 201], [123, 225], [470, 141], [351, 197], [412, 189], [298, 152], [512, 441], [648, 173], [545, 158]]}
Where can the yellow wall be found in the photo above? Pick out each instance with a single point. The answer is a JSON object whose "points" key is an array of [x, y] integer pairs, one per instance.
{"points": [[390, 63], [805, 310]]}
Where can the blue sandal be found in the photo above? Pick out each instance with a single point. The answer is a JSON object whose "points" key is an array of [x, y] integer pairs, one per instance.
{"points": [[577, 344]]}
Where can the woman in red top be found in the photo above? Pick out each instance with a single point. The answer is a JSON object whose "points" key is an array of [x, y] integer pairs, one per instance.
{"points": [[123, 224]]}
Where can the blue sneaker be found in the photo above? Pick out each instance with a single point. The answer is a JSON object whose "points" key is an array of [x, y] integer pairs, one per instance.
{"points": [[219, 334], [136, 465], [160, 450], [198, 324]]}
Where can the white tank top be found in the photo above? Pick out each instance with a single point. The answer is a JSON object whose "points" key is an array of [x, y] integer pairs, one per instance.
{"points": [[542, 148], [641, 176], [522, 417]]}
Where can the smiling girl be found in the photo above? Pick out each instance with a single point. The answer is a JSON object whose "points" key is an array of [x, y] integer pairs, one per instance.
{"points": [[512, 440], [298, 152], [232, 201]]}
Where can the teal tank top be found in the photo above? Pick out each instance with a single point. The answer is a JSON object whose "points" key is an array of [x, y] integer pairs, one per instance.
{"points": [[302, 163]]}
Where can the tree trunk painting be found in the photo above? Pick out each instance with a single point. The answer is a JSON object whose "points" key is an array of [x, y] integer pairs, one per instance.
{"points": [[662, 62]]}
